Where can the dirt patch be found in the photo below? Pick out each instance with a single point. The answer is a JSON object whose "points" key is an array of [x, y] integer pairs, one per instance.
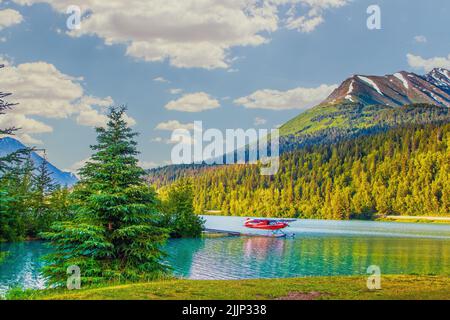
{"points": [[301, 296]]}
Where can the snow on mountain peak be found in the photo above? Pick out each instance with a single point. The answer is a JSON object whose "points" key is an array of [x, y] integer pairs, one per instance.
{"points": [[400, 77], [396, 89], [371, 83]]}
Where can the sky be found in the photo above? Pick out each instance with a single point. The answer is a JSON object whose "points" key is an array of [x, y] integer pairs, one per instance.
{"points": [[229, 63]]}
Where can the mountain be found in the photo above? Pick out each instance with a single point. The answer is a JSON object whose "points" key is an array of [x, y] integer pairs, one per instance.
{"points": [[376, 145], [368, 104], [396, 89], [9, 145], [360, 106]]}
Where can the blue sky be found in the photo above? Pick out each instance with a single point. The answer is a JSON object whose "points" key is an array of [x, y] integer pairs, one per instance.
{"points": [[236, 63]]}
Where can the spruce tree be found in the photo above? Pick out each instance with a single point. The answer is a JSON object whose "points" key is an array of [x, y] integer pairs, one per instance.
{"points": [[179, 211], [116, 233], [43, 186], [42, 180], [15, 213]]}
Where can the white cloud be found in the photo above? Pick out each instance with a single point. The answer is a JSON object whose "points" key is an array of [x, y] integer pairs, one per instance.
{"points": [[147, 164], [305, 24], [161, 79], [298, 98], [183, 138], [173, 125], [77, 165], [89, 116], [27, 125], [259, 121], [428, 64], [156, 139], [5, 60], [420, 39], [175, 91], [191, 33], [44, 91], [9, 17], [309, 22], [193, 102], [27, 139]]}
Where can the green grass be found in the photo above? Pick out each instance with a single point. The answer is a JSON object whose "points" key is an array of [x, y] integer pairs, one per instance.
{"points": [[412, 220], [347, 287]]}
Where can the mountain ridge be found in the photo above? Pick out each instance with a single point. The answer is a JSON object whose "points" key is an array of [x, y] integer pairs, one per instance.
{"points": [[340, 118], [359, 100], [396, 89], [9, 145]]}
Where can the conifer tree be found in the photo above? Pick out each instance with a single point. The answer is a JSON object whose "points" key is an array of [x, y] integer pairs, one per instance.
{"points": [[403, 171], [116, 233], [43, 186], [42, 179], [15, 213], [179, 211]]}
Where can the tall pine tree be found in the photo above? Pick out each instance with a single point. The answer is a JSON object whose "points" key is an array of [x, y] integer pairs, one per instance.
{"points": [[43, 186], [116, 234]]}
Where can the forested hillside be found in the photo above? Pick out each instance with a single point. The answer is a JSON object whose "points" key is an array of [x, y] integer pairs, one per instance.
{"points": [[403, 171], [331, 123]]}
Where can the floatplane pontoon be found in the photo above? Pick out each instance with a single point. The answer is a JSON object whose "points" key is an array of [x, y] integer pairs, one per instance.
{"points": [[274, 226]]}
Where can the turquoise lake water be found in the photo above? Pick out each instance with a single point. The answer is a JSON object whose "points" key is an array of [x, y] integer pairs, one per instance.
{"points": [[319, 248]]}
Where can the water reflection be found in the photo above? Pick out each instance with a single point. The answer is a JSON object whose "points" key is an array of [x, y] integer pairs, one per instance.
{"points": [[257, 257], [262, 247], [309, 254], [20, 268]]}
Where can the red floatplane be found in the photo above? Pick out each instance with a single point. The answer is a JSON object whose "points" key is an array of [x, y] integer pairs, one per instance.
{"points": [[272, 225]]}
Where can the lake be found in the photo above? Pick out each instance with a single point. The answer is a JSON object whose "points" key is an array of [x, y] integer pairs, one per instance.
{"points": [[319, 248]]}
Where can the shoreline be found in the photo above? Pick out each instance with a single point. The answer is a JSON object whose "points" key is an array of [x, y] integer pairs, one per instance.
{"points": [[414, 219], [379, 218]]}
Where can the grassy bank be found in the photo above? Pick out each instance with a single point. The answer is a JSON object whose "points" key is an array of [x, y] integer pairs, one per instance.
{"points": [[354, 287], [418, 219]]}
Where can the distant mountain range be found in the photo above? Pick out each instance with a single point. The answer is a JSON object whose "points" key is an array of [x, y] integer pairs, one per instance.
{"points": [[361, 105], [369, 104], [9, 145], [376, 145], [396, 89]]}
